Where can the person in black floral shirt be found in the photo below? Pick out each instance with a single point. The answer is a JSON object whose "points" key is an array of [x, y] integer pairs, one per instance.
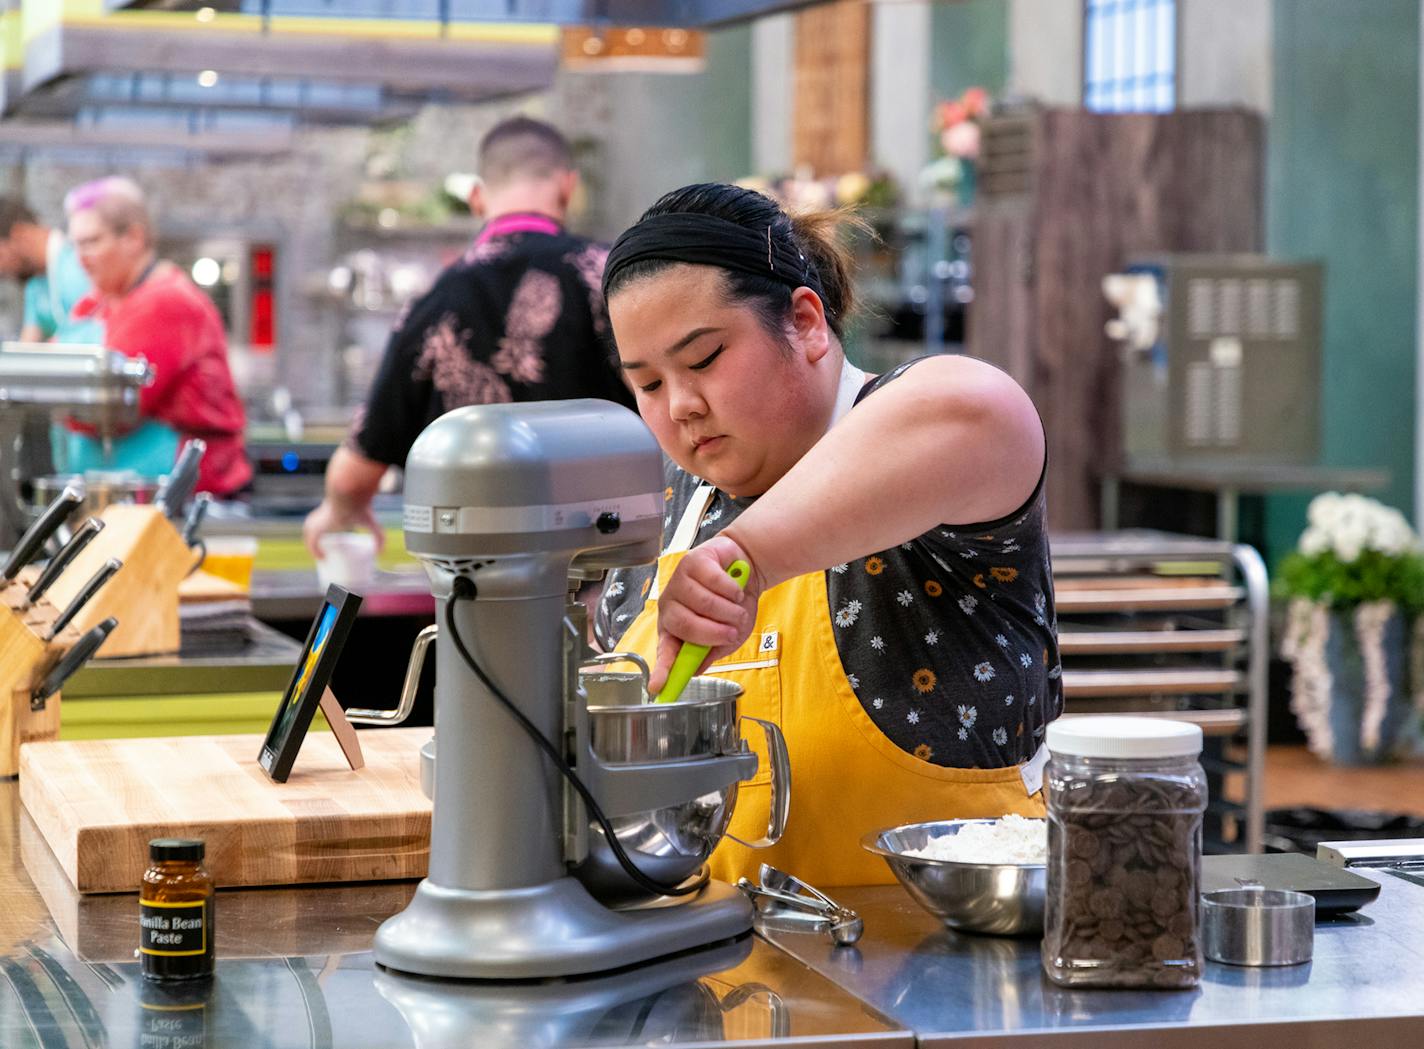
{"points": [[520, 317], [898, 623]]}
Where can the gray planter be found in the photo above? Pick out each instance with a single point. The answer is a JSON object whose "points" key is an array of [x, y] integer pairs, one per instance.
{"points": [[1350, 690]]}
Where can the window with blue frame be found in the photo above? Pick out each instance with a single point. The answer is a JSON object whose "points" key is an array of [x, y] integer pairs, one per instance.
{"points": [[1130, 55]]}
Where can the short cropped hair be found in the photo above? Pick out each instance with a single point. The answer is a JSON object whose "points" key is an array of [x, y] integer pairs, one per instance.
{"points": [[14, 211], [523, 149], [118, 201]]}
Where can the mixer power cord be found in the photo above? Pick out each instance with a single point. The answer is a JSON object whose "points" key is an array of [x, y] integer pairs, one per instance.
{"points": [[464, 589]]}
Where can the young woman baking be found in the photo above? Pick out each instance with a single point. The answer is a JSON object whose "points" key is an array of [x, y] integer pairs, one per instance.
{"points": [[898, 623]]}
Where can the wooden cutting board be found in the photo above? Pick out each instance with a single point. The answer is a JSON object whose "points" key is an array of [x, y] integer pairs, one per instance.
{"points": [[99, 802], [98, 927]]}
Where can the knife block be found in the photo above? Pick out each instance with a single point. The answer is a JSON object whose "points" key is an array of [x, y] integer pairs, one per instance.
{"points": [[25, 659], [143, 594]]}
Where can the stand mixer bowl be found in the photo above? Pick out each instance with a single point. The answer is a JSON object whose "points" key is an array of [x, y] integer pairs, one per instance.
{"points": [[667, 844]]}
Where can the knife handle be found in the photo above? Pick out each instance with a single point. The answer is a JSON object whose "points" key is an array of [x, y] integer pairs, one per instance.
{"points": [[60, 561], [97, 580], [75, 658], [38, 533], [195, 517], [183, 478]]}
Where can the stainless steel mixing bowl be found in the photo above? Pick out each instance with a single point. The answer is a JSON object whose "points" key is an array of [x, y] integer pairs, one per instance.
{"points": [[102, 488], [671, 843], [1004, 899], [667, 844]]}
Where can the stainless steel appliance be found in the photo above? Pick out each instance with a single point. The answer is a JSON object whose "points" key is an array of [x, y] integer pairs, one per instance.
{"points": [[37, 382], [1221, 358], [509, 506], [1401, 857]]}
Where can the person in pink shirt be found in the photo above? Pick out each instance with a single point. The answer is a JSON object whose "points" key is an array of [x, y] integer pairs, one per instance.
{"points": [[150, 308]]}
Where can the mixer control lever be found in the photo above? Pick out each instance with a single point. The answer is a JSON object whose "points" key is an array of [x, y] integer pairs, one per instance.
{"points": [[608, 522]]}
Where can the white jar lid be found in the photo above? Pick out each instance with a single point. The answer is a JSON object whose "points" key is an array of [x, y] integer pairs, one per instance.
{"points": [[1123, 736]]}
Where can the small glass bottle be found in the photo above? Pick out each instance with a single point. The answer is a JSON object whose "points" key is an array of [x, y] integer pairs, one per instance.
{"points": [[176, 912], [1125, 801]]}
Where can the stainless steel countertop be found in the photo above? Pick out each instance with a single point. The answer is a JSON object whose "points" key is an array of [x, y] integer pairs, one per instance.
{"points": [[296, 595], [265, 665], [1364, 987], [295, 970]]}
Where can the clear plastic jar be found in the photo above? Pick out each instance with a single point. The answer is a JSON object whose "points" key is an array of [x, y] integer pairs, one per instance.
{"points": [[1125, 801]]}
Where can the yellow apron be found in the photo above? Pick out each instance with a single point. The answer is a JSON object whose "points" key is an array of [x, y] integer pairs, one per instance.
{"points": [[848, 777]]}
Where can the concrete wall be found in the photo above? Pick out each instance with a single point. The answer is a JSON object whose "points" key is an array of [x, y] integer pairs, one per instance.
{"points": [[650, 133], [773, 41], [1045, 51], [1224, 54], [900, 93]]}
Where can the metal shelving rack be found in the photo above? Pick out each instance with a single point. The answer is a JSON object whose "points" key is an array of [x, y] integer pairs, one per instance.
{"points": [[1172, 626]]}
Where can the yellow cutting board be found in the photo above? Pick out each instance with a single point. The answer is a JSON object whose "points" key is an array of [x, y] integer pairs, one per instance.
{"points": [[99, 802]]}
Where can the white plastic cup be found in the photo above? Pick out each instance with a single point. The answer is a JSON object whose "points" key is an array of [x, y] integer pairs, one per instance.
{"points": [[347, 559]]}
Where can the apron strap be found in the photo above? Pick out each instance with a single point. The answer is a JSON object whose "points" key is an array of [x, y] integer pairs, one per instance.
{"points": [[686, 532], [851, 381]]}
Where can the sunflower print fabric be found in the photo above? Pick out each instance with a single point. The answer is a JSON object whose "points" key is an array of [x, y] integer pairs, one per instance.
{"points": [[949, 641]]}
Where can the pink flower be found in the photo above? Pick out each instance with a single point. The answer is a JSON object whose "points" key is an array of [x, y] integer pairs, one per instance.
{"points": [[961, 140], [952, 113]]}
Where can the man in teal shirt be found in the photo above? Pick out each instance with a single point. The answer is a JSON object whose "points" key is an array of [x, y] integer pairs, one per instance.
{"points": [[54, 280]]}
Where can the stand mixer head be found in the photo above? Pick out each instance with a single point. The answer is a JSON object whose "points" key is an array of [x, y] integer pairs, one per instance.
{"points": [[504, 503], [85, 382]]}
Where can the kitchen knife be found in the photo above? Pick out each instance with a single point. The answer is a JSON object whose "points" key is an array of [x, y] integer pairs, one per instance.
{"points": [[182, 479], [86, 593], [690, 656], [60, 561], [75, 658], [38, 533], [195, 517]]}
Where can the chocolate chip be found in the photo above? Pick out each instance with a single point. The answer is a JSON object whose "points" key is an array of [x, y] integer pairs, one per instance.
{"points": [[1123, 872]]}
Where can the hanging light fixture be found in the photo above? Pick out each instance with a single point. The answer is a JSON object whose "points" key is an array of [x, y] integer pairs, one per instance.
{"points": [[633, 49]]}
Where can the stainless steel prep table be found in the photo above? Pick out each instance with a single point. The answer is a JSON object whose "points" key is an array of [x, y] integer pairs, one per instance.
{"points": [[294, 971], [264, 665], [1364, 987]]}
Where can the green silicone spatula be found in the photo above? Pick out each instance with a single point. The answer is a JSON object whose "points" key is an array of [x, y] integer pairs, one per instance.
{"points": [[690, 656]]}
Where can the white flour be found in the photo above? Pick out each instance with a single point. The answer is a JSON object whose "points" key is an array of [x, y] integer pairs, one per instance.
{"points": [[1012, 839]]}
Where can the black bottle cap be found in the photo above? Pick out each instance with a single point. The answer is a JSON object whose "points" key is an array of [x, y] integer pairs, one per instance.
{"points": [[175, 849]]}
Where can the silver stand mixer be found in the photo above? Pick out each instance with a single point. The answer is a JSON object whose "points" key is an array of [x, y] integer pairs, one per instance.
{"points": [[38, 381], [505, 504]]}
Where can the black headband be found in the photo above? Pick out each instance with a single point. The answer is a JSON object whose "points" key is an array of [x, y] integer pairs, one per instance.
{"points": [[704, 240]]}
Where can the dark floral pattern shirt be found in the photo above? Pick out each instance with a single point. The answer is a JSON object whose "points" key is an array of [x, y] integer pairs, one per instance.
{"points": [[520, 318], [949, 640]]}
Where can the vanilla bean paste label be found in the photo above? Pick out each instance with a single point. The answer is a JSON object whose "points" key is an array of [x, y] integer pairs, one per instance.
{"points": [[173, 929]]}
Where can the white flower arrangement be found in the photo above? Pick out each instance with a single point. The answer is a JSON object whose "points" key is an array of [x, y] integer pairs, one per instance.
{"points": [[1347, 525], [1354, 579]]}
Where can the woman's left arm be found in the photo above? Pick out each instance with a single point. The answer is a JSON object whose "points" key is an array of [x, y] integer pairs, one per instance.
{"points": [[952, 440]]}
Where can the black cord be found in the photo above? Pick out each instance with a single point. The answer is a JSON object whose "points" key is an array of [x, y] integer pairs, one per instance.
{"points": [[463, 588]]}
